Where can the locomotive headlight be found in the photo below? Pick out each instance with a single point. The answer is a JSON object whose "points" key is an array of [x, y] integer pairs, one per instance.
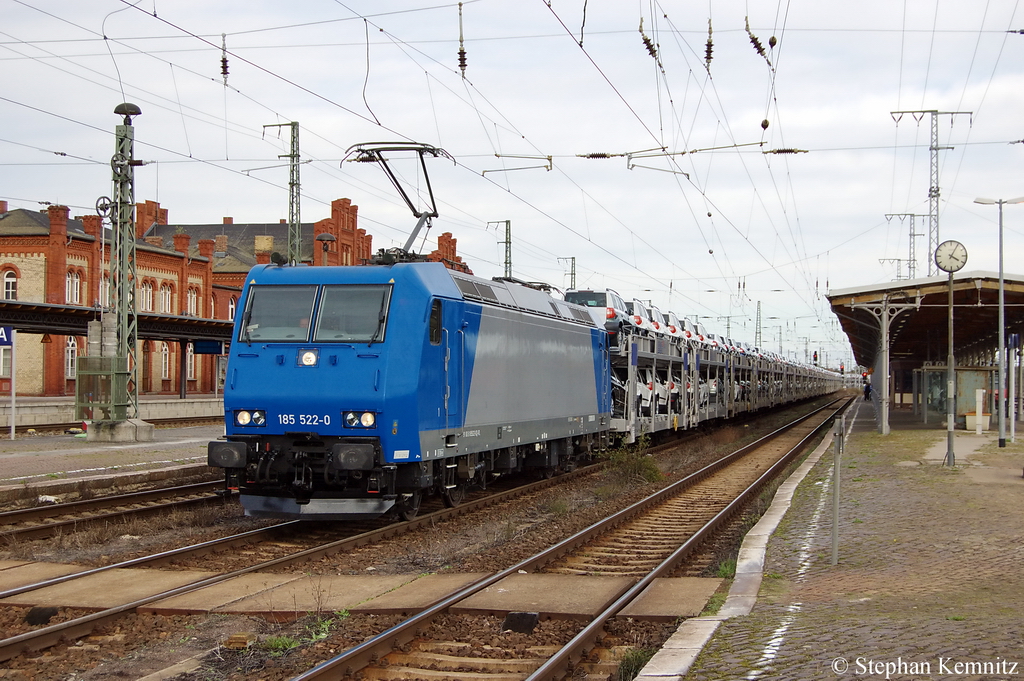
{"points": [[365, 419], [307, 358], [250, 417]]}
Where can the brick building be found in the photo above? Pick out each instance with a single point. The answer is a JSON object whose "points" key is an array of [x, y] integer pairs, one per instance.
{"points": [[195, 270]]}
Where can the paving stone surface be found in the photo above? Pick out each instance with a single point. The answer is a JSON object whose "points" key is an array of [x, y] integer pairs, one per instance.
{"points": [[930, 579]]}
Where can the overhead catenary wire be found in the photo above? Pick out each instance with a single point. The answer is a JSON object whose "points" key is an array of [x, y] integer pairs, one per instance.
{"points": [[743, 226]]}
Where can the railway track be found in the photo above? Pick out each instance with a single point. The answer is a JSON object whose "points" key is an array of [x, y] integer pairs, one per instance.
{"points": [[48, 520], [284, 553], [82, 626], [403, 652], [182, 422]]}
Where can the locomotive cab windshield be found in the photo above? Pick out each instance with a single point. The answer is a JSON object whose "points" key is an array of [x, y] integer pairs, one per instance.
{"points": [[344, 313]]}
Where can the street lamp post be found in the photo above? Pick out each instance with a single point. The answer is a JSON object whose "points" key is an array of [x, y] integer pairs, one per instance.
{"points": [[326, 239], [1002, 318]]}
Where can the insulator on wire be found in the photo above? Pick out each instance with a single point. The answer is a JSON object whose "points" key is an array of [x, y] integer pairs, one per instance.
{"points": [[462, 47], [757, 43], [224, 57], [597, 154], [708, 48], [648, 43]]}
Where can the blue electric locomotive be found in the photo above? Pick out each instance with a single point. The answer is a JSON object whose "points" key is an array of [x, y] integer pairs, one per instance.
{"points": [[352, 392]]}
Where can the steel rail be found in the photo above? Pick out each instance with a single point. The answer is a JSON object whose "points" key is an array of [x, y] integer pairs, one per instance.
{"points": [[349, 662], [158, 422], [50, 510], [82, 626], [51, 528], [561, 663]]}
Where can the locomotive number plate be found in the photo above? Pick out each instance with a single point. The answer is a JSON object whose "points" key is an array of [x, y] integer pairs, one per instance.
{"points": [[304, 419]]}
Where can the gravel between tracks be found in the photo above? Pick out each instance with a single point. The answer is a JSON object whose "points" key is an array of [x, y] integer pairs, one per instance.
{"points": [[485, 541]]}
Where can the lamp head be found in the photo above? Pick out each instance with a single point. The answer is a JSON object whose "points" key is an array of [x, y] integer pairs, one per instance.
{"points": [[127, 109]]}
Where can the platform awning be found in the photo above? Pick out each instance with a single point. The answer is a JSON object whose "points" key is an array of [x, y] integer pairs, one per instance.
{"points": [[919, 334]]}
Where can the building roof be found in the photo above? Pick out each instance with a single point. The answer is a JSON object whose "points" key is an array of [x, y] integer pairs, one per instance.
{"points": [[240, 254], [920, 332], [22, 222]]}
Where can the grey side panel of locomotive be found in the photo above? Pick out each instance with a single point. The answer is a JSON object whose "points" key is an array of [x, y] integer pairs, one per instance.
{"points": [[533, 380], [530, 368]]}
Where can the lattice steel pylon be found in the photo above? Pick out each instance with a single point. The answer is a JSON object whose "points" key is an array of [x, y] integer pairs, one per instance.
{"points": [[757, 329], [294, 194], [508, 244], [933, 189], [123, 265], [912, 259], [572, 272]]}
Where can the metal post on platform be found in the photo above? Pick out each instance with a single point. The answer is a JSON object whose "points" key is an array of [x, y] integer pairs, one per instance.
{"points": [[885, 312], [950, 383], [1012, 411], [1001, 396], [839, 432], [14, 374]]}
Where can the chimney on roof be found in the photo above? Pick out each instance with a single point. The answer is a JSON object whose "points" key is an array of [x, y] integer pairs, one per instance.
{"points": [[264, 243], [206, 247], [283, 221], [220, 248], [91, 224], [181, 241], [3, 206], [58, 220], [229, 221]]}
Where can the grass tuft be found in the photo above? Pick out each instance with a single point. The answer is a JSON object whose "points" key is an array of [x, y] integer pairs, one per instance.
{"points": [[633, 661]]}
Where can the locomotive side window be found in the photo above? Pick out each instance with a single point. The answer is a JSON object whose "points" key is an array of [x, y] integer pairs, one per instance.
{"points": [[278, 314], [435, 323], [353, 314]]}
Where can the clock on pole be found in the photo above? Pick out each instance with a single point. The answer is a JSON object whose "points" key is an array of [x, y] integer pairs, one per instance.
{"points": [[950, 256]]}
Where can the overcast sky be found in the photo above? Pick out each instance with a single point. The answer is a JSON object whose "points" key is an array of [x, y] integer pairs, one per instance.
{"points": [[708, 234]]}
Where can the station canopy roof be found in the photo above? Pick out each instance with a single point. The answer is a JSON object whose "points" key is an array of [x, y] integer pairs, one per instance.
{"points": [[919, 333]]}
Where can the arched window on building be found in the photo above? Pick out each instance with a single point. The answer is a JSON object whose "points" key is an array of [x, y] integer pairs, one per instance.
{"points": [[10, 285], [231, 308], [165, 361], [71, 358], [146, 297], [190, 362], [166, 299], [73, 289], [193, 302], [105, 292]]}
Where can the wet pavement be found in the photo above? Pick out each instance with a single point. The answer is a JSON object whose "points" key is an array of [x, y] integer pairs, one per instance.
{"points": [[928, 584], [35, 459]]}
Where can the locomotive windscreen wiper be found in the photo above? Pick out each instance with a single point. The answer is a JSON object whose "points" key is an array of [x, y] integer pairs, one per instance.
{"points": [[245, 327], [381, 316]]}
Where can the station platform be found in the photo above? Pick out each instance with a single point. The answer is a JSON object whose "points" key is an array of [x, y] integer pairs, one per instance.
{"points": [[58, 464], [928, 582], [286, 597], [31, 412]]}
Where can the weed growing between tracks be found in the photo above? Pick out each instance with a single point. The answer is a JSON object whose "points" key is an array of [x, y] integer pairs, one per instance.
{"points": [[633, 462], [633, 661], [95, 543]]}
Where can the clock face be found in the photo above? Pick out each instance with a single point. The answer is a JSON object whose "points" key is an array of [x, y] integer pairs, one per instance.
{"points": [[951, 256]]}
